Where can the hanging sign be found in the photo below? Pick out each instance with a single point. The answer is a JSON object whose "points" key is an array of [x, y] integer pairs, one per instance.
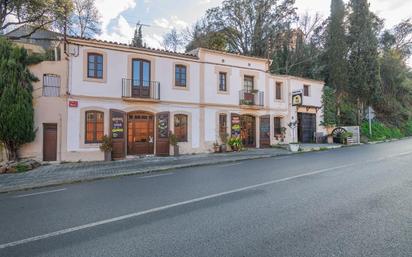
{"points": [[235, 125], [117, 125], [297, 98]]}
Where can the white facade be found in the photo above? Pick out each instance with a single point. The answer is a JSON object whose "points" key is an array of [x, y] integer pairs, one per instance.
{"points": [[200, 100]]}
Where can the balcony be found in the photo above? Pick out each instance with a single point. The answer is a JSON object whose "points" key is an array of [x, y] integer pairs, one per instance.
{"points": [[137, 90], [253, 99]]}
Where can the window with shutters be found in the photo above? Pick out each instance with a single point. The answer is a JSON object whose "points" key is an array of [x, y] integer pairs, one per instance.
{"points": [[180, 123], [51, 85], [94, 127]]}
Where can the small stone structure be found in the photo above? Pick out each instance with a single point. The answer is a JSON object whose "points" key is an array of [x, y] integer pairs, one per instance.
{"points": [[355, 139]]}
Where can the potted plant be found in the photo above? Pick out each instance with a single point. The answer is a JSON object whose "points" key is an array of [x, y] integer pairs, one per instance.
{"points": [[235, 143], [107, 147], [294, 147], [173, 142], [224, 139], [216, 147]]}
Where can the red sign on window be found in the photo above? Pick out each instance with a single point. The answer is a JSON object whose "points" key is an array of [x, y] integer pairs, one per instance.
{"points": [[73, 103]]}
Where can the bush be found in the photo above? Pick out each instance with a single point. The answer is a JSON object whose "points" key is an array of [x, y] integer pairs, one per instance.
{"points": [[380, 131], [407, 128]]}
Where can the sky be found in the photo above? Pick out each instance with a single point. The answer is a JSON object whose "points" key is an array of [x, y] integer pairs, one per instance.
{"points": [[119, 17]]}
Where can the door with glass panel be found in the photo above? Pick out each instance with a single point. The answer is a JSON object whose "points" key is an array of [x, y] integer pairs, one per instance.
{"points": [[141, 78]]}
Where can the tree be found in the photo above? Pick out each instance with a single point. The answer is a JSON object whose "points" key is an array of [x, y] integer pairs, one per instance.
{"points": [[298, 50], [336, 54], [39, 13], [137, 40], [203, 36], [172, 40], [248, 25], [85, 20], [394, 106], [16, 101], [363, 56], [399, 39]]}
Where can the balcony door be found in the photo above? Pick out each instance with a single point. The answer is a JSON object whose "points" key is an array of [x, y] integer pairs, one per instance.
{"points": [[141, 78]]}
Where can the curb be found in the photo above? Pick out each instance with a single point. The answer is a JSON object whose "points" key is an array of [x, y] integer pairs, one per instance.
{"points": [[152, 170], [130, 173]]}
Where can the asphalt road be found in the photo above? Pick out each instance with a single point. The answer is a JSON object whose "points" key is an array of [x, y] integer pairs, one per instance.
{"points": [[347, 202]]}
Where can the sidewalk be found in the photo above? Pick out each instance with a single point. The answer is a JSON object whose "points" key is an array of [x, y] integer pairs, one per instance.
{"points": [[76, 172]]}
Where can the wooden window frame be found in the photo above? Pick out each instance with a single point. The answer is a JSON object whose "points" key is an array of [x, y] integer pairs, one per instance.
{"points": [[222, 129], [179, 137], [251, 78], [223, 81], [94, 131], [178, 76], [278, 91], [95, 66], [306, 90], [277, 130]]}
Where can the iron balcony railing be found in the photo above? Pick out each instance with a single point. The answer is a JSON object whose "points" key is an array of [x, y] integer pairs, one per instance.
{"points": [[140, 89], [251, 97]]}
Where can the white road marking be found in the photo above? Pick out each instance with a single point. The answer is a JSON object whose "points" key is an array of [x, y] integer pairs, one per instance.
{"points": [[40, 193], [162, 208], [230, 164], [195, 200], [157, 175]]}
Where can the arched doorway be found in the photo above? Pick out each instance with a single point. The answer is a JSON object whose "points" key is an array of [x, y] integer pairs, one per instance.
{"points": [[140, 133], [248, 130]]}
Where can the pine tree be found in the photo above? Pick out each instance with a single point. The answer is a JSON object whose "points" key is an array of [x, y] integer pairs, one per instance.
{"points": [[16, 101], [363, 56], [336, 55], [137, 40]]}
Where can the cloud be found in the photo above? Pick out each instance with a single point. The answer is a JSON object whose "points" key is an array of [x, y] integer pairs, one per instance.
{"points": [[121, 31], [111, 10], [172, 22]]}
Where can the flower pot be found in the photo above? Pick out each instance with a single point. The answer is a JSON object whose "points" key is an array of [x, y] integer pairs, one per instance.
{"points": [[108, 156], [176, 150], [223, 148], [294, 147]]}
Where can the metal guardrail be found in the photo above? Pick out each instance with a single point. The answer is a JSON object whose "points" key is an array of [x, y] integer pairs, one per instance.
{"points": [[252, 98], [140, 89]]}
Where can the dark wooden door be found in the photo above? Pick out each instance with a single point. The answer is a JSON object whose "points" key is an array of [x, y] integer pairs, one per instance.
{"points": [[50, 142], [118, 134], [306, 127], [162, 134], [265, 131], [140, 133]]}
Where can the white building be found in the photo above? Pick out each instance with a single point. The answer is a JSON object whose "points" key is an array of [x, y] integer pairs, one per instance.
{"points": [[137, 95]]}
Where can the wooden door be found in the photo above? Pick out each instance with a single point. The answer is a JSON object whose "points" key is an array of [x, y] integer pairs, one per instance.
{"points": [[264, 131], [162, 134], [140, 133], [306, 127], [248, 130], [50, 142], [118, 134]]}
